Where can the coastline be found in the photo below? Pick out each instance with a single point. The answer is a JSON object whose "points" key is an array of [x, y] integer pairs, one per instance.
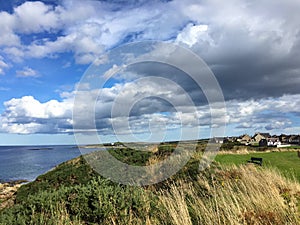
{"points": [[29, 162]]}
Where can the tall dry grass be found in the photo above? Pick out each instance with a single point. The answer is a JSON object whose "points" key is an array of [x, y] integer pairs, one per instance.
{"points": [[236, 195], [57, 215], [230, 195]]}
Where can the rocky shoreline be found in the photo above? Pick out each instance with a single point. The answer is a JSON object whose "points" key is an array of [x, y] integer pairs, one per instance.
{"points": [[7, 192]]}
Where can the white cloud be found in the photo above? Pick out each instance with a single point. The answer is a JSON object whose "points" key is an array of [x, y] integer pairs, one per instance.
{"points": [[3, 65], [27, 115], [66, 65], [111, 71], [193, 34], [7, 35], [14, 53], [4, 89], [27, 72], [87, 28], [267, 113], [226, 34], [27, 106], [86, 48], [48, 48], [33, 17]]}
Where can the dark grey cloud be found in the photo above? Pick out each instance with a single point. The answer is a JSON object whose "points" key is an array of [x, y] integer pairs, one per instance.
{"points": [[172, 73], [257, 54]]}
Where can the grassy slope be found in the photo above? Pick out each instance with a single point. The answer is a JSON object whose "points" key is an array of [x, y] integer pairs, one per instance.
{"points": [[73, 194], [67, 174], [286, 162]]}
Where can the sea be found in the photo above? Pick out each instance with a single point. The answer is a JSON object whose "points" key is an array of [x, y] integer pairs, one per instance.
{"points": [[28, 162]]}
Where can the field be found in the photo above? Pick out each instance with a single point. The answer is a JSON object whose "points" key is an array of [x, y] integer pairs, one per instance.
{"points": [[288, 163]]}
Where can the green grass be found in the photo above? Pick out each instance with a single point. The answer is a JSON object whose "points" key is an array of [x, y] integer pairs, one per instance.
{"points": [[131, 156], [293, 147], [74, 194], [288, 163]]}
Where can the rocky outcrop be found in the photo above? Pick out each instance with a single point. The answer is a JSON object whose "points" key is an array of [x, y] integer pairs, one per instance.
{"points": [[7, 193]]}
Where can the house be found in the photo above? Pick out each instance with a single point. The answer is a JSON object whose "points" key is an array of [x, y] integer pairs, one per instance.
{"points": [[273, 141], [230, 139], [259, 136], [244, 139], [284, 138], [294, 139], [218, 140]]}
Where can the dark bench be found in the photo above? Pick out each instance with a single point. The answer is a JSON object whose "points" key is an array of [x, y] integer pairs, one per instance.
{"points": [[255, 160]]}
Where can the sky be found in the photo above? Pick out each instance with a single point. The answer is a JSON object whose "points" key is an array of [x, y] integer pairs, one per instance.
{"points": [[49, 48]]}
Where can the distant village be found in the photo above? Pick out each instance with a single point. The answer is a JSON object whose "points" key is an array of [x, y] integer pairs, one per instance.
{"points": [[262, 140]]}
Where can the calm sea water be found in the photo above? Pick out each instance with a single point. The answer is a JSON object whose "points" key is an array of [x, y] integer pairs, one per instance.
{"points": [[28, 162]]}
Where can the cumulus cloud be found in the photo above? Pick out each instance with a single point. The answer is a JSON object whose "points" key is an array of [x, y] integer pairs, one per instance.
{"points": [[7, 36], [193, 34], [88, 28], [168, 110], [271, 114], [14, 53], [34, 17], [27, 115], [237, 39], [249, 46]]}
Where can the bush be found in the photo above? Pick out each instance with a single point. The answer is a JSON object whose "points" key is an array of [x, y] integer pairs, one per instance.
{"points": [[99, 201]]}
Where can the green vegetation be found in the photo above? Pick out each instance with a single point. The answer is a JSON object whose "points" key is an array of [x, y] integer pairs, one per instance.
{"points": [[73, 193], [67, 174], [293, 147], [97, 201], [229, 145], [287, 163], [131, 156]]}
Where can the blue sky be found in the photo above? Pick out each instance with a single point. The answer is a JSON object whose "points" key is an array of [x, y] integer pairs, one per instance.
{"points": [[46, 47]]}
